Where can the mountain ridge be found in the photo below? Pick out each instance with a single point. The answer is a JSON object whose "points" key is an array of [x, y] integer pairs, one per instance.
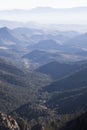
{"points": [[46, 8]]}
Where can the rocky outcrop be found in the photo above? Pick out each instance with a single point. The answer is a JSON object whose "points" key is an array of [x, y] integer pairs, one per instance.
{"points": [[22, 124], [7, 122]]}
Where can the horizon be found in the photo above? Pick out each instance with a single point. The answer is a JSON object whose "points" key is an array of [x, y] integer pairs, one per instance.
{"points": [[45, 12], [37, 7]]}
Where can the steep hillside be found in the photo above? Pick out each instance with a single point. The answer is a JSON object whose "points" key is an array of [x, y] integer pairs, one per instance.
{"points": [[32, 111], [80, 123], [68, 102], [58, 70], [69, 94], [75, 80], [16, 84]]}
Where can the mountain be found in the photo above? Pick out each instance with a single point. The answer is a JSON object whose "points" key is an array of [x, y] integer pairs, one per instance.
{"points": [[16, 83], [34, 36], [78, 41], [6, 33], [12, 45], [58, 70], [37, 58], [8, 37], [47, 10], [46, 45], [30, 35], [76, 45], [75, 80], [78, 123], [38, 116], [68, 101], [69, 94], [42, 10], [7, 122], [40, 57], [31, 111], [57, 10], [51, 15], [11, 41]]}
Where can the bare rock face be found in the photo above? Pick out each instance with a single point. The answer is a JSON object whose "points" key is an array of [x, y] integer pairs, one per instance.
{"points": [[23, 124], [7, 122]]}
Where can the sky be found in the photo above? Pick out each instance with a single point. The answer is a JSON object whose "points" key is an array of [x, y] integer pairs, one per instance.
{"points": [[28, 4]]}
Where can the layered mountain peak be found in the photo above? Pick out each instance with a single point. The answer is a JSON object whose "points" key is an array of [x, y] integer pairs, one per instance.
{"points": [[4, 31], [8, 36]]}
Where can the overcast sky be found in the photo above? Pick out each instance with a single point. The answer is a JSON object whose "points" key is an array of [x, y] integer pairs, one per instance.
{"points": [[27, 4]]}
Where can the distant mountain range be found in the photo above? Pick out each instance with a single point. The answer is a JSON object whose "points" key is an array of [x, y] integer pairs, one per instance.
{"points": [[47, 10], [59, 10], [46, 15], [42, 57], [79, 41], [48, 44], [7, 36]]}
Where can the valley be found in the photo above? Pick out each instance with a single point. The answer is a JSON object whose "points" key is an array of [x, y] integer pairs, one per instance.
{"points": [[43, 76]]}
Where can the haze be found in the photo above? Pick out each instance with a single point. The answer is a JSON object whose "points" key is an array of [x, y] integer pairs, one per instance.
{"points": [[27, 4], [45, 11]]}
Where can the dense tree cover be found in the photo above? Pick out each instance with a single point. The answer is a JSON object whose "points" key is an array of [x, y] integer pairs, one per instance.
{"points": [[59, 70], [18, 87], [23, 94]]}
